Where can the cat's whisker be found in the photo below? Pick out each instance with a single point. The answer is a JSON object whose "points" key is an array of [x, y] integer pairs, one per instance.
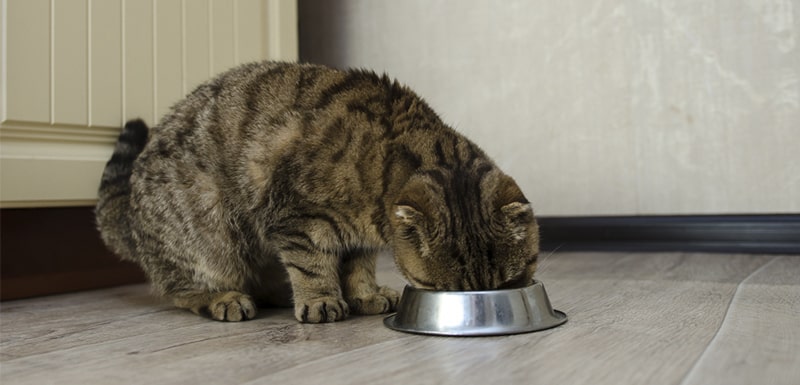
{"points": [[544, 262]]}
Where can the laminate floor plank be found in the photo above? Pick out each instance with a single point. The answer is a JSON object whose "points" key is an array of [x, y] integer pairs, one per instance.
{"points": [[140, 339], [619, 332], [706, 267], [226, 353], [759, 342], [65, 321], [634, 318]]}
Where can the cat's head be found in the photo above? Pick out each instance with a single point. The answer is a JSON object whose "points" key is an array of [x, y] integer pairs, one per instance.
{"points": [[455, 231]]}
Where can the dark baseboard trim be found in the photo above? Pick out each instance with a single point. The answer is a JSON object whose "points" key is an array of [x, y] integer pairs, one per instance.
{"points": [[769, 234], [47, 251]]}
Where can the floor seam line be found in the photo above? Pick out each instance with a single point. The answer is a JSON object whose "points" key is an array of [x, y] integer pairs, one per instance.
{"points": [[724, 320]]}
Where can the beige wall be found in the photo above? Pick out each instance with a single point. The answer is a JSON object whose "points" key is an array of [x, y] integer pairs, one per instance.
{"points": [[598, 107], [74, 70]]}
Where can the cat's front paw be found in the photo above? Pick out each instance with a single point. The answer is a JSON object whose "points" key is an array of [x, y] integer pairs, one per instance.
{"points": [[232, 306], [318, 310], [384, 301]]}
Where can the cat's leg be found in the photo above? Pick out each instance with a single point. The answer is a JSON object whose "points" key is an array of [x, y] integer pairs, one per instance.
{"points": [[181, 283], [314, 275], [361, 292], [222, 306]]}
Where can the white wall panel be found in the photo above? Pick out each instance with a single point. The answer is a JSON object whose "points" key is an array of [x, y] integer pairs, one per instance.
{"points": [[168, 54], [281, 36], [76, 70], [105, 70], [27, 60], [196, 43], [249, 31], [222, 35], [69, 66], [139, 71]]}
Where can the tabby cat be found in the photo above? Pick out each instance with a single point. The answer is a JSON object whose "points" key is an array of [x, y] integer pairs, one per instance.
{"points": [[278, 183]]}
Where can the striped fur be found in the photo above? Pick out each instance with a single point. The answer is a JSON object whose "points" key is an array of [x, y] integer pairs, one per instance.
{"points": [[278, 183], [113, 205]]}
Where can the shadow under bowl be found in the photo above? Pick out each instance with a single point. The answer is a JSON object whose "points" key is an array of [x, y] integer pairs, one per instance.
{"points": [[475, 313]]}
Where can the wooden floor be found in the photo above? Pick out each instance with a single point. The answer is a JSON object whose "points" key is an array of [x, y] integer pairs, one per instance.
{"points": [[633, 319]]}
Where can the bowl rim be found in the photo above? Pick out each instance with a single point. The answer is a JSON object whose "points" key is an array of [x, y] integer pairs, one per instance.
{"points": [[473, 292], [390, 323]]}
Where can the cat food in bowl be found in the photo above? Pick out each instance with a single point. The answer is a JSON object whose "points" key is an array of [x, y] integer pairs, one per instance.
{"points": [[475, 313]]}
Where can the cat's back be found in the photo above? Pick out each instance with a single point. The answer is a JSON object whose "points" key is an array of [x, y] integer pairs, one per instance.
{"points": [[264, 88], [264, 97], [238, 128]]}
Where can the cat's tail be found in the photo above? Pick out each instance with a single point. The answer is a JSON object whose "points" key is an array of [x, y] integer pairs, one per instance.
{"points": [[113, 206]]}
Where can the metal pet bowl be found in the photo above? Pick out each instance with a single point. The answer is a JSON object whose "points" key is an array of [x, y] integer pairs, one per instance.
{"points": [[475, 313]]}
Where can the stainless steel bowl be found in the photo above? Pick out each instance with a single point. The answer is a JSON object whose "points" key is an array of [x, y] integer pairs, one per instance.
{"points": [[475, 313]]}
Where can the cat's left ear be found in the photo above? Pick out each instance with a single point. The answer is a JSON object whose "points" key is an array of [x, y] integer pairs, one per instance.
{"points": [[519, 220], [406, 214], [507, 192], [515, 208], [518, 212], [415, 201]]}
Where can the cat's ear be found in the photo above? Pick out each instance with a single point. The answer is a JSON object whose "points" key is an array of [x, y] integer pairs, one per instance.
{"points": [[517, 213], [507, 192], [406, 214], [415, 201], [519, 220]]}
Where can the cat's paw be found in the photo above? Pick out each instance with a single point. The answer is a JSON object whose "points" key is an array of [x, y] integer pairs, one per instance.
{"points": [[323, 309], [232, 306], [384, 301]]}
